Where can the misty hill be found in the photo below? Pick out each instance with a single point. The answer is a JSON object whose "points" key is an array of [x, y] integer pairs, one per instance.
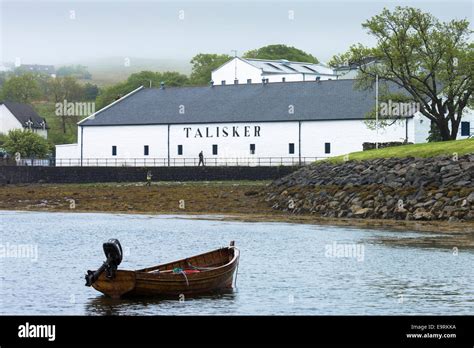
{"points": [[107, 71]]}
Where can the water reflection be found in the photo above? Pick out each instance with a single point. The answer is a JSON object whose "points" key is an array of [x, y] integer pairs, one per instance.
{"points": [[103, 305], [284, 268]]}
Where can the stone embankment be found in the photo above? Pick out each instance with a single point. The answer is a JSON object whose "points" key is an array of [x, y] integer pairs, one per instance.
{"points": [[438, 188]]}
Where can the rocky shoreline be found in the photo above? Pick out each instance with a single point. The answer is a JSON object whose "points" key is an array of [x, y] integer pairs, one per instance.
{"points": [[430, 189]]}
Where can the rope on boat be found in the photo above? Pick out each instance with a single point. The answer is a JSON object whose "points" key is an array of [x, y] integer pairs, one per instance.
{"points": [[236, 272], [185, 277], [181, 271]]}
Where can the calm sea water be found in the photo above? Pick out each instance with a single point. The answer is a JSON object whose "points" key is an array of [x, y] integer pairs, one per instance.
{"points": [[284, 269]]}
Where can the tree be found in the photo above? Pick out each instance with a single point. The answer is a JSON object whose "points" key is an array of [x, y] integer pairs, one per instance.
{"points": [[432, 61], [90, 91], [27, 143], [78, 71], [169, 78], [23, 88], [277, 52], [67, 89], [203, 64], [142, 78]]}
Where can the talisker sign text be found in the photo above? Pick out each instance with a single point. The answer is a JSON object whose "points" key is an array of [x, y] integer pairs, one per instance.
{"points": [[224, 132]]}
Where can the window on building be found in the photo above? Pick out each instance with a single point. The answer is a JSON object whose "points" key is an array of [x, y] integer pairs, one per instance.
{"points": [[249, 80], [114, 150], [252, 149], [465, 129], [283, 79], [327, 147], [291, 148], [214, 149], [180, 150], [223, 82], [236, 82], [146, 150]]}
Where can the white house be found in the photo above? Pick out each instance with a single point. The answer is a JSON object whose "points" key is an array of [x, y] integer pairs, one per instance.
{"points": [[21, 116], [266, 123], [249, 70]]}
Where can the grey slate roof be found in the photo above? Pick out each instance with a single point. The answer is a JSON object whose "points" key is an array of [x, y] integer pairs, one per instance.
{"points": [[23, 113], [324, 100]]}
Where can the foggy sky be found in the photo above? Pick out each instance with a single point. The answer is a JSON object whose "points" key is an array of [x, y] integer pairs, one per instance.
{"points": [[46, 32]]}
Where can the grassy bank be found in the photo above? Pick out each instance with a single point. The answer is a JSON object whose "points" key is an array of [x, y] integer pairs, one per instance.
{"points": [[461, 147]]}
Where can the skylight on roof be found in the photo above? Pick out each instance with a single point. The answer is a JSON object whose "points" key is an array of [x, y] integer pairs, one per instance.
{"points": [[273, 66], [307, 67], [289, 67]]}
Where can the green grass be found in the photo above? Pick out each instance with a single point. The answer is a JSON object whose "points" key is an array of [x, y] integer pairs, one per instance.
{"points": [[460, 147]]}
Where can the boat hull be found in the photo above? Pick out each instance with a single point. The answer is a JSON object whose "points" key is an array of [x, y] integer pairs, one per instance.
{"points": [[160, 281]]}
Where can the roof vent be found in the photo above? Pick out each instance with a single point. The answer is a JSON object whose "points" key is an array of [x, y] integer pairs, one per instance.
{"points": [[318, 78], [284, 61], [211, 83], [162, 85], [264, 81]]}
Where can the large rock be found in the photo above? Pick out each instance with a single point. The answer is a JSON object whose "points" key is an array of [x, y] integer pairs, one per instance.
{"points": [[406, 188]]}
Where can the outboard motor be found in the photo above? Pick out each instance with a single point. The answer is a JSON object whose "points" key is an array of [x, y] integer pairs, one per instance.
{"points": [[113, 253]]}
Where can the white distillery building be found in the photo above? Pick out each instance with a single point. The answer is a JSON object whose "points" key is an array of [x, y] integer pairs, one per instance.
{"points": [[250, 124], [247, 70], [21, 116]]}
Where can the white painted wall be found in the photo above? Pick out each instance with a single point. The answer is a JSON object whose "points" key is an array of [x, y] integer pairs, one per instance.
{"points": [[67, 155], [347, 136], [8, 121], [130, 142], [270, 139], [244, 71], [468, 116], [422, 126]]}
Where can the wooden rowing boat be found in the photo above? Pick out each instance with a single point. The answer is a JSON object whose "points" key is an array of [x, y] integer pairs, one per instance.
{"points": [[205, 273]]}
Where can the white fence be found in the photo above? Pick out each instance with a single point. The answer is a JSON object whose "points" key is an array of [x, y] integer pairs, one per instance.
{"points": [[185, 162]]}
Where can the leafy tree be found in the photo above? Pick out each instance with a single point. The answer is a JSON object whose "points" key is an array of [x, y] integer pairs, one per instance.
{"points": [[203, 64], [109, 94], [78, 71], [276, 52], [90, 91], [169, 78], [432, 61], [434, 134], [143, 78], [65, 89], [27, 143], [23, 88]]}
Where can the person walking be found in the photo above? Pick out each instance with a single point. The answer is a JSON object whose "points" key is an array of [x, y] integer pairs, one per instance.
{"points": [[148, 178], [201, 159]]}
